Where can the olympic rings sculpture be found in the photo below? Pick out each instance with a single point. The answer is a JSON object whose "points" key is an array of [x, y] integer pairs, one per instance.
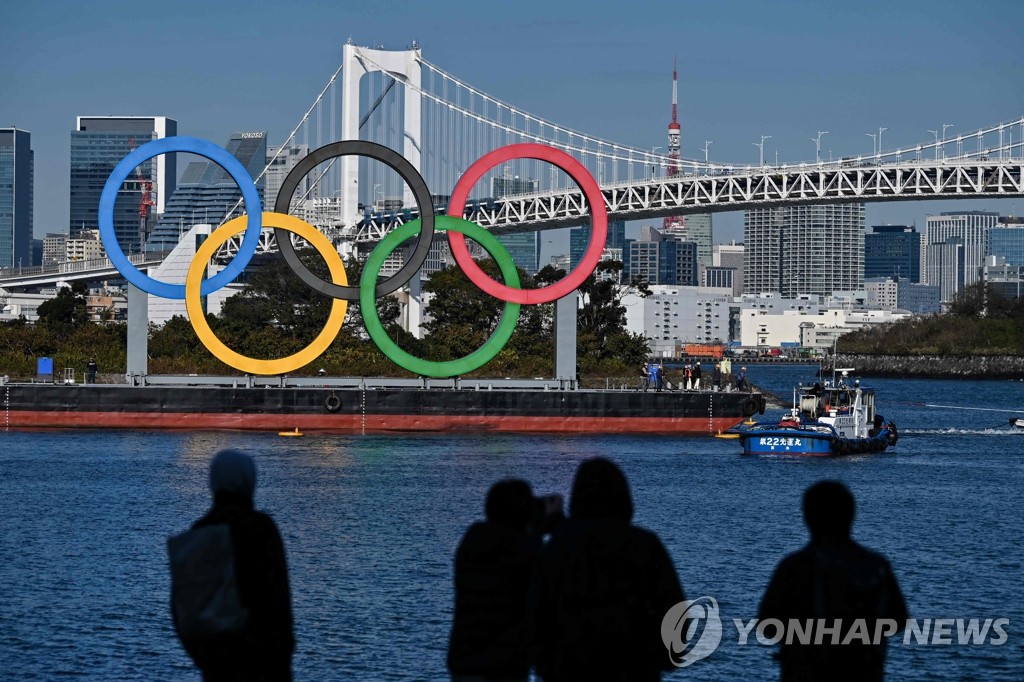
{"points": [[454, 225]]}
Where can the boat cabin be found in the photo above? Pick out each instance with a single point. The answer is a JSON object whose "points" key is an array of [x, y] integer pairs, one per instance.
{"points": [[841, 403]]}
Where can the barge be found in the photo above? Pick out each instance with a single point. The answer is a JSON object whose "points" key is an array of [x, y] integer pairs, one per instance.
{"points": [[314, 404]]}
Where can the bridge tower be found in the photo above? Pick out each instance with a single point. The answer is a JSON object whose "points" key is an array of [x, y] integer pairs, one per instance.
{"points": [[404, 67]]}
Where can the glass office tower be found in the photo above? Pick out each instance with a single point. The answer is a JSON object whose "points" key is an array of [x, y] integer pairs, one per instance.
{"points": [[98, 143], [16, 195]]}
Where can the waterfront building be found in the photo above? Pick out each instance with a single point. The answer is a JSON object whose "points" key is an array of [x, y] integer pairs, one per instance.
{"points": [[54, 248], [893, 251], [17, 168], [15, 305], [945, 268], [694, 228], [207, 194], [1003, 276], [659, 259], [37, 252], [98, 143], [769, 320], [972, 229], [1006, 239], [813, 249], [672, 316]]}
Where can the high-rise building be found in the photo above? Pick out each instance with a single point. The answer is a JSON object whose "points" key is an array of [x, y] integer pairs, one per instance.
{"points": [[524, 247], [793, 250], [659, 259], [207, 194], [730, 256], [1006, 239], [17, 168], [98, 143], [281, 160], [944, 267], [972, 229], [893, 251], [579, 239]]}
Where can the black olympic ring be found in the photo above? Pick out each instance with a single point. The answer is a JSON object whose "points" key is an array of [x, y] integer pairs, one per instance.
{"points": [[412, 178]]}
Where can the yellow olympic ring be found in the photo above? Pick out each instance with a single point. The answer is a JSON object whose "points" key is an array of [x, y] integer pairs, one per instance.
{"points": [[194, 305]]}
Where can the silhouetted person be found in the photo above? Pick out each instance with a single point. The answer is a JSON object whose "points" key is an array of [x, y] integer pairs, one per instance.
{"points": [[90, 369], [604, 587], [716, 377], [696, 376], [645, 380], [263, 650], [741, 379], [833, 577], [660, 376], [494, 569]]}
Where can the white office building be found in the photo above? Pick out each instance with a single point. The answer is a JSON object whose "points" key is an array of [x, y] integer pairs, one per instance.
{"points": [[972, 229], [672, 316]]}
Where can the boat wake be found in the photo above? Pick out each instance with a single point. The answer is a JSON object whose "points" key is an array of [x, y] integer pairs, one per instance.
{"points": [[995, 431]]}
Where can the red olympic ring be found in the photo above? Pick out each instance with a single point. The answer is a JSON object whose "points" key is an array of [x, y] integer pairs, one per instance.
{"points": [[598, 232]]}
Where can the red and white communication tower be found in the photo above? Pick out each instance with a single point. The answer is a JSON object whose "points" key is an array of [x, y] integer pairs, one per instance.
{"points": [[674, 224]]}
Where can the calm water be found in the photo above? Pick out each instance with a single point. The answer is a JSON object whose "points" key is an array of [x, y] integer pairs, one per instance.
{"points": [[370, 524]]}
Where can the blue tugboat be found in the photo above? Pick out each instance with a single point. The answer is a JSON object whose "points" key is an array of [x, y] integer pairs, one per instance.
{"points": [[834, 419]]}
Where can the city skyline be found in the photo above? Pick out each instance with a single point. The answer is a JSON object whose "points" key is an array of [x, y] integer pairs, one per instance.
{"points": [[757, 71]]}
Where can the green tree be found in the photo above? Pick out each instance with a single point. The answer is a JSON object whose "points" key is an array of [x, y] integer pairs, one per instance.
{"points": [[67, 309], [462, 316], [602, 335]]}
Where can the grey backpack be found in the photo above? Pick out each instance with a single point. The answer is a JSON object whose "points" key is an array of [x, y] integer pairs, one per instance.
{"points": [[204, 587]]}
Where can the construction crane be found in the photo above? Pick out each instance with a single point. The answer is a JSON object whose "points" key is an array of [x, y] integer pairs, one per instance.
{"points": [[145, 186]]}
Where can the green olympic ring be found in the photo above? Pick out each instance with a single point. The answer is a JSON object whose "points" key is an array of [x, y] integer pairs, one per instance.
{"points": [[368, 303]]}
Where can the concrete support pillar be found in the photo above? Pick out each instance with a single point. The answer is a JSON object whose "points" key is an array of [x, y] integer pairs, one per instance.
{"points": [[566, 309], [414, 307], [138, 332]]}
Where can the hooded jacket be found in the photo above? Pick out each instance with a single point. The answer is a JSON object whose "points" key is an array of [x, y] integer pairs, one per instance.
{"points": [[263, 652]]}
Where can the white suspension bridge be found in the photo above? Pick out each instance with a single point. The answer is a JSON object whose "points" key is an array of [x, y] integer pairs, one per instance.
{"points": [[443, 124]]}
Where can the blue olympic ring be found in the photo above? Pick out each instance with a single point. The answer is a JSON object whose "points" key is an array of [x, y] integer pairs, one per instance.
{"points": [[219, 156]]}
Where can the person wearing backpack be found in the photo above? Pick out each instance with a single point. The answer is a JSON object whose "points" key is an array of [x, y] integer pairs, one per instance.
{"points": [[603, 588], [230, 599]]}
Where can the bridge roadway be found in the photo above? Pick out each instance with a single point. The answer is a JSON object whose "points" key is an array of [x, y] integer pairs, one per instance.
{"points": [[749, 188], [825, 183], [84, 270]]}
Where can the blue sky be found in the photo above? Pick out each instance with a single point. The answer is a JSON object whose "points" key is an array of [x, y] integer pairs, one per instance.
{"points": [[746, 69]]}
